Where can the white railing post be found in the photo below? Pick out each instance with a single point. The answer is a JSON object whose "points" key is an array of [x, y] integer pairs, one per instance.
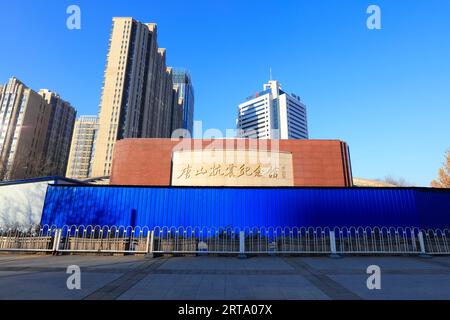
{"points": [[423, 252], [150, 243], [333, 245], [57, 241], [150, 238], [242, 245]]}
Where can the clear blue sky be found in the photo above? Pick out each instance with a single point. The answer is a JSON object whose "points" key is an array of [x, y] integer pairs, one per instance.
{"points": [[387, 92]]}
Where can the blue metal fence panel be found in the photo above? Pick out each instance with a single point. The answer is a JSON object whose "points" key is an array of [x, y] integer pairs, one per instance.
{"points": [[245, 207], [434, 208]]}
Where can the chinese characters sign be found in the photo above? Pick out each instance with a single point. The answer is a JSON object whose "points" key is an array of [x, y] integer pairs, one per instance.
{"points": [[232, 168]]}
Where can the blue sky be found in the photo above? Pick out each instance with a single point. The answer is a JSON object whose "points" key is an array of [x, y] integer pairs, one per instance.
{"points": [[385, 92]]}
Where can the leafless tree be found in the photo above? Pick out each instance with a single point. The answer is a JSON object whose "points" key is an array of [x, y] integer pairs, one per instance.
{"points": [[25, 168], [398, 182], [443, 180]]}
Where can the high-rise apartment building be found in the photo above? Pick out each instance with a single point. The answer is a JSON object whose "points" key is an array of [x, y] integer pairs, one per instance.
{"points": [[24, 117], [177, 114], [79, 165], [59, 133], [35, 132], [182, 82], [138, 95], [272, 114]]}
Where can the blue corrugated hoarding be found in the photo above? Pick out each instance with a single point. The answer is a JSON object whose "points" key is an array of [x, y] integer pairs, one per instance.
{"points": [[246, 207]]}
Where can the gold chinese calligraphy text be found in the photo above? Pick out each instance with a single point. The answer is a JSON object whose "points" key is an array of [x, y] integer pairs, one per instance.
{"points": [[188, 170]]}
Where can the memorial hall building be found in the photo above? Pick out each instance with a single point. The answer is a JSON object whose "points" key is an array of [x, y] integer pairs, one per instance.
{"points": [[231, 163], [240, 183]]}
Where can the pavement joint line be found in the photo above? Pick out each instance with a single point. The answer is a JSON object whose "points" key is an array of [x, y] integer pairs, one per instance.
{"points": [[435, 262], [119, 286], [9, 276], [390, 272], [321, 281], [16, 259], [219, 271]]}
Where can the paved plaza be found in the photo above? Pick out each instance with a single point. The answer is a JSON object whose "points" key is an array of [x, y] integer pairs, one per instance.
{"points": [[224, 278]]}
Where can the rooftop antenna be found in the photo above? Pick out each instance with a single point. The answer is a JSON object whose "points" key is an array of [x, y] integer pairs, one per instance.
{"points": [[271, 74]]}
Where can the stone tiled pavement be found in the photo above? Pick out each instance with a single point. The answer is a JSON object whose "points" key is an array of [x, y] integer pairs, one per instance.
{"points": [[229, 278]]}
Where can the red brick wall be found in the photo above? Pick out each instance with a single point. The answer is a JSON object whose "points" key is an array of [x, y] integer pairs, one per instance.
{"points": [[148, 161]]}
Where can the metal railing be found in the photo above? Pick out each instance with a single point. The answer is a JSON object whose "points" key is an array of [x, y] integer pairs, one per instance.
{"points": [[33, 239], [195, 240], [92, 239], [226, 240], [378, 240], [287, 240], [437, 241]]}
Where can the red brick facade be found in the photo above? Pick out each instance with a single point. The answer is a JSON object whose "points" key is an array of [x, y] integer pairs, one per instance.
{"points": [[148, 162]]}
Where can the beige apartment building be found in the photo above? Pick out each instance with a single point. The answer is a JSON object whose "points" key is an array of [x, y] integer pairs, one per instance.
{"points": [[59, 133], [24, 118], [35, 132], [79, 165], [137, 95]]}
